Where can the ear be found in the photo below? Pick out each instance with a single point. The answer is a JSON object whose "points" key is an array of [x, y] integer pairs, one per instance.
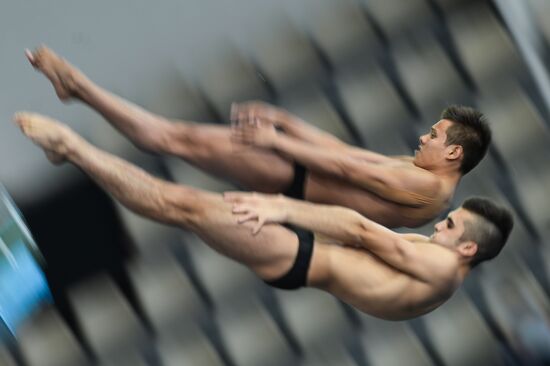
{"points": [[454, 152], [467, 248]]}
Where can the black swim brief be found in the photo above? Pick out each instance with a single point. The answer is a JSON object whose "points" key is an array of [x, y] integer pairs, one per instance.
{"points": [[296, 277], [296, 189]]}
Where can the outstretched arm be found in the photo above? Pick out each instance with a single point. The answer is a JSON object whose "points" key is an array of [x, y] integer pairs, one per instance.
{"points": [[422, 260], [410, 187], [295, 127], [265, 209]]}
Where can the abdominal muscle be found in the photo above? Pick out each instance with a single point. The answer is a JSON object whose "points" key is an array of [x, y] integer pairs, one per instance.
{"points": [[362, 280]]}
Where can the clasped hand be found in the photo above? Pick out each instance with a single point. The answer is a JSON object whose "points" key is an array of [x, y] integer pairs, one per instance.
{"points": [[253, 124], [262, 208]]}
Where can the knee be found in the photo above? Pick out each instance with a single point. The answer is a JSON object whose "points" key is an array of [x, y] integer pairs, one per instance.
{"points": [[183, 206], [163, 139], [183, 139]]}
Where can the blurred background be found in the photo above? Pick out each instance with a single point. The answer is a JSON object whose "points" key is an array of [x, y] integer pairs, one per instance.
{"points": [[376, 73]]}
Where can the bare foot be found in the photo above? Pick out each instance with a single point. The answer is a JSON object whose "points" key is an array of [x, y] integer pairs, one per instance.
{"points": [[51, 135], [62, 74]]}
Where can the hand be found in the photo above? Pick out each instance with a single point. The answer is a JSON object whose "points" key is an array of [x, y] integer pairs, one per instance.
{"points": [[263, 208], [254, 132], [248, 111]]}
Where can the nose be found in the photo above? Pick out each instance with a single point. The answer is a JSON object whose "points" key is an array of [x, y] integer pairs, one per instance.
{"points": [[437, 227], [422, 139]]}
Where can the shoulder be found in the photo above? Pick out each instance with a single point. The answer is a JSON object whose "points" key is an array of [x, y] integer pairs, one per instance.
{"points": [[424, 183], [440, 265], [444, 264], [429, 181], [406, 164]]}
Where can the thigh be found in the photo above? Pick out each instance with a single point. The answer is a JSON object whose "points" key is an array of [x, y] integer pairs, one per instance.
{"points": [[270, 253], [263, 171], [210, 148]]}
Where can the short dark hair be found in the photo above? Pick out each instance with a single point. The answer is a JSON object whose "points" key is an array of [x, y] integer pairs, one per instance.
{"points": [[469, 130], [490, 230]]}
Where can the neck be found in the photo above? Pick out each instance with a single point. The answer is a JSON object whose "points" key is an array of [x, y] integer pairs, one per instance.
{"points": [[449, 173], [464, 270]]}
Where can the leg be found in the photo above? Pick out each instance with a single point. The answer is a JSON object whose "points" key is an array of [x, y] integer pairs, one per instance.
{"points": [[270, 253], [208, 147]]}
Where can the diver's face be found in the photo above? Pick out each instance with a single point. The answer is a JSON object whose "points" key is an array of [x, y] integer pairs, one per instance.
{"points": [[432, 147], [449, 232]]}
